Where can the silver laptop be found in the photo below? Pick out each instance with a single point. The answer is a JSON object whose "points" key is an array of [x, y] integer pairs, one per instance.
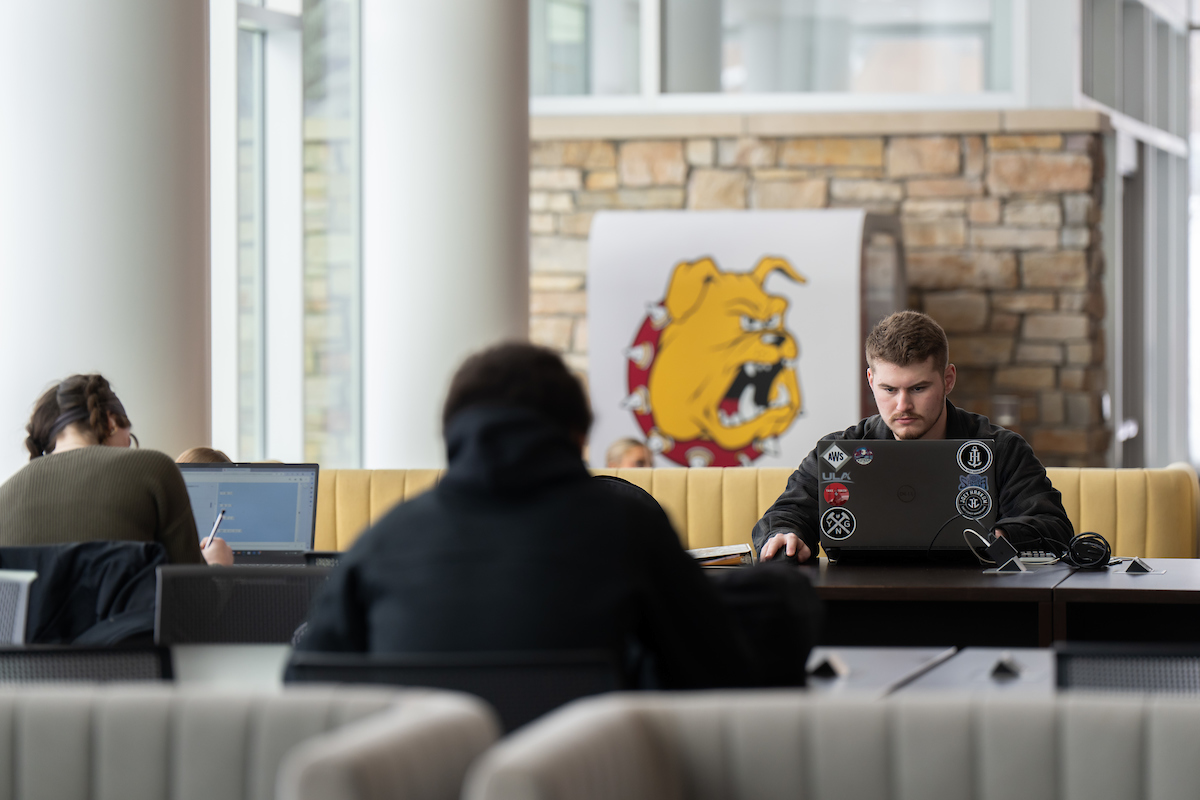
{"points": [[270, 509], [888, 495]]}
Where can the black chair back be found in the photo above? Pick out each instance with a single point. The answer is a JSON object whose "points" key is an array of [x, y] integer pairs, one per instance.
{"points": [[521, 686], [64, 663], [233, 605]]}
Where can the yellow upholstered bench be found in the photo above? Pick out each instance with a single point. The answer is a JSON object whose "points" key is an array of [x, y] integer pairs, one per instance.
{"points": [[1142, 512]]}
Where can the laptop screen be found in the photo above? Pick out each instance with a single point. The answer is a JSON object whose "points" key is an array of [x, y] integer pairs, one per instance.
{"points": [[267, 506]]}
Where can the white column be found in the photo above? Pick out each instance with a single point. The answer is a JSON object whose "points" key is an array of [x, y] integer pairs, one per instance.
{"points": [[103, 211], [445, 207]]}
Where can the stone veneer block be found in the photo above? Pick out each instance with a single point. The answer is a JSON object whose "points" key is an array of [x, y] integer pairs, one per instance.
{"points": [[1050, 408], [583, 154], [558, 303], [1030, 353], [1061, 440], [652, 163], [581, 336], [962, 270], [974, 156], [557, 178], [558, 202], [847, 152], [745, 152], [980, 351], [865, 191], [1033, 214], [1004, 322], [549, 282], [925, 155], [811, 193], [700, 152], [1026, 378], [716, 189], [1059, 326], [1013, 238], [1019, 302], [1030, 173], [944, 187], [579, 224], [557, 254], [601, 180], [552, 332], [1076, 238], [1078, 208], [933, 209], [919, 233], [1062, 269], [1031, 141], [985, 211], [958, 312], [542, 224], [632, 199]]}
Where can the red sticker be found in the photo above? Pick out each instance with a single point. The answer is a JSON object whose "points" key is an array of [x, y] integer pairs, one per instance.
{"points": [[836, 494]]}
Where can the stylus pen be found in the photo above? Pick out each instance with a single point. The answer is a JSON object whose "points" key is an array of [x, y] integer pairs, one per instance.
{"points": [[217, 524]]}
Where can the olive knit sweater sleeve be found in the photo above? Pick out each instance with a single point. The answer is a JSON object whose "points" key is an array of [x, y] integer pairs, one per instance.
{"points": [[100, 493]]}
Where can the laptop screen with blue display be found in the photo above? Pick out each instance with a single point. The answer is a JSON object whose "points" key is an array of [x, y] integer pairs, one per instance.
{"points": [[268, 507]]}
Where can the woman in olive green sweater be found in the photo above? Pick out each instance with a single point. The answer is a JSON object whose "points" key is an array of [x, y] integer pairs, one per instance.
{"points": [[84, 482]]}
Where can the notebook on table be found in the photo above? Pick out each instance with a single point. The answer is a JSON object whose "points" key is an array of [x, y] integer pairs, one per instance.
{"points": [[904, 496], [270, 509]]}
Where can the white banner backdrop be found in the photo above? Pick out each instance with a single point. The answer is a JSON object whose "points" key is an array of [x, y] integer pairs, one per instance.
{"points": [[724, 338]]}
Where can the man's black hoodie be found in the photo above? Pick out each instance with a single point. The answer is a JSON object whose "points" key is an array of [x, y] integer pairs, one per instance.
{"points": [[519, 549]]}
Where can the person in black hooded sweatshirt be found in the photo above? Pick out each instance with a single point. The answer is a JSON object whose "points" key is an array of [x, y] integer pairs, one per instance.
{"points": [[517, 548]]}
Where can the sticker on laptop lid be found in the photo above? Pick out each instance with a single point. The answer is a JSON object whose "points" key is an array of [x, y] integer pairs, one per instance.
{"points": [[863, 455], [973, 502], [965, 481], [838, 524], [974, 457], [836, 494], [836, 456]]}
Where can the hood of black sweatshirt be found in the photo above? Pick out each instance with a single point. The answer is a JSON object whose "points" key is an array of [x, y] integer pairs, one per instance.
{"points": [[506, 450]]}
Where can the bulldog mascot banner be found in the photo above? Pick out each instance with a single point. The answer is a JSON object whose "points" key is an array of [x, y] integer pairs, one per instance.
{"points": [[724, 338]]}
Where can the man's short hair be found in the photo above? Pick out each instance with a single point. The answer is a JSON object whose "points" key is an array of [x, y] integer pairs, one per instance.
{"points": [[522, 376], [908, 337]]}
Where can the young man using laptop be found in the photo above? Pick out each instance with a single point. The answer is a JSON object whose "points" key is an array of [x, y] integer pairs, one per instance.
{"points": [[910, 374]]}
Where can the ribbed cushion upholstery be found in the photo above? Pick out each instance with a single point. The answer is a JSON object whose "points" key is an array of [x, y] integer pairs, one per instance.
{"points": [[776, 745], [1142, 512], [154, 742]]}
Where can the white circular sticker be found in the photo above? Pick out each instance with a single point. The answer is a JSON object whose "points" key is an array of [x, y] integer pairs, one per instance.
{"points": [[838, 524], [974, 457], [973, 502]]}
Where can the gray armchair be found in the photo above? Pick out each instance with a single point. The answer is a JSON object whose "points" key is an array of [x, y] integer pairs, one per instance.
{"points": [[787, 744]]}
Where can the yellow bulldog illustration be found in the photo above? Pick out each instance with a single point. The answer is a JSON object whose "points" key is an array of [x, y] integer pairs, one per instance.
{"points": [[724, 369]]}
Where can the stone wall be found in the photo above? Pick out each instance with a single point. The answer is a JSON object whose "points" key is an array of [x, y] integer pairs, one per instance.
{"points": [[1001, 235]]}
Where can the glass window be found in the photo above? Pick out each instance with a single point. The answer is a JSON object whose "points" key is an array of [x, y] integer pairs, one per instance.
{"points": [[859, 46], [584, 47], [251, 251], [332, 263]]}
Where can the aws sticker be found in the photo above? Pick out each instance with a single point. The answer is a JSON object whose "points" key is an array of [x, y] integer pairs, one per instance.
{"points": [[838, 524], [973, 502], [863, 455], [836, 456], [974, 457], [836, 494]]}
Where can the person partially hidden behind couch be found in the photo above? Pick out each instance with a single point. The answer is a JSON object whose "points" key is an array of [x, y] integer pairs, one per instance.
{"points": [[910, 375], [518, 549], [84, 482]]}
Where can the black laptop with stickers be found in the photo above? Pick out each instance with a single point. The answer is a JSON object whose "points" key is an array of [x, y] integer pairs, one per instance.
{"points": [[904, 496]]}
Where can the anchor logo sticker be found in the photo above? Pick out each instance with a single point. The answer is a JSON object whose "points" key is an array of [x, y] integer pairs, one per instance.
{"points": [[974, 457]]}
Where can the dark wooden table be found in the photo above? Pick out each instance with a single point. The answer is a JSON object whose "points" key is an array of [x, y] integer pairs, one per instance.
{"points": [[1114, 606], [919, 605]]}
